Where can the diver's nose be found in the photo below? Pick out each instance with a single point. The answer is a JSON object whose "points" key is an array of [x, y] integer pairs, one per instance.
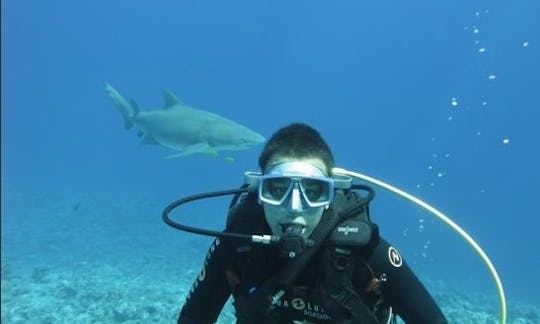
{"points": [[296, 199]]}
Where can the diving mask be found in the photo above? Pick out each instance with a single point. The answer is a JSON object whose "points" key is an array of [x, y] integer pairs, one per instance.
{"points": [[297, 183], [277, 190]]}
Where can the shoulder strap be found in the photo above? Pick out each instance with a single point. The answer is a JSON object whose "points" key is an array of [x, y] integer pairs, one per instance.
{"points": [[351, 236], [337, 290]]}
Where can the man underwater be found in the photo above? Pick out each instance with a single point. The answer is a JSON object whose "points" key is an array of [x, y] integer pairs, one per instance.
{"points": [[330, 266]]}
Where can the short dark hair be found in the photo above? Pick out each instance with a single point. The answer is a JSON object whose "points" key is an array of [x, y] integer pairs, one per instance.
{"points": [[297, 140]]}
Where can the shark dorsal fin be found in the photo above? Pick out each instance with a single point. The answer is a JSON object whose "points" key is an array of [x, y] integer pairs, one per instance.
{"points": [[169, 98]]}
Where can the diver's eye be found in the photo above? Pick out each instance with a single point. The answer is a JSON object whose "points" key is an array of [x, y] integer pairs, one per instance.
{"points": [[278, 187], [313, 195], [314, 189]]}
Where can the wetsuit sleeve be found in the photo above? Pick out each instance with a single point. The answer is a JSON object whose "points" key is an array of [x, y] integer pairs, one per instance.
{"points": [[402, 289], [210, 290]]}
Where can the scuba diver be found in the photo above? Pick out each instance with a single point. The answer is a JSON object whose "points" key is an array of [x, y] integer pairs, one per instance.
{"points": [[324, 261]]}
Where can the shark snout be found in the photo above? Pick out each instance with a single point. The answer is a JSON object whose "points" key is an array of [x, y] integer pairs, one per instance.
{"points": [[253, 139], [258, 138]]}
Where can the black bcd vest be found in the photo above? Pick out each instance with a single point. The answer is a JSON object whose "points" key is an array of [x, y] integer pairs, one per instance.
{"points": [[345, 285]]}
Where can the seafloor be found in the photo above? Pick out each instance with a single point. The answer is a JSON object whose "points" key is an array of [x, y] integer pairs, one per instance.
{"points": [[152, 289], [75, 257]]}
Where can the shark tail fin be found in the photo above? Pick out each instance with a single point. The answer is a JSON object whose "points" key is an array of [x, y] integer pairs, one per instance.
{"points": [[134, 106], [124, 107]]}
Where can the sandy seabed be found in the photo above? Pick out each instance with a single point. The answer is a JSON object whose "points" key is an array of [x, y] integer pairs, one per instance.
{"points": [[104, 293]]}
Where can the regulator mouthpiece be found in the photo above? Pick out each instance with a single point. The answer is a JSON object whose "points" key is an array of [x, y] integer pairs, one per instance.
{"points": [[292, 243]]}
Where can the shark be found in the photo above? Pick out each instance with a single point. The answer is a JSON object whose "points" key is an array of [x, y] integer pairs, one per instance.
{"points": [[184, 129]]}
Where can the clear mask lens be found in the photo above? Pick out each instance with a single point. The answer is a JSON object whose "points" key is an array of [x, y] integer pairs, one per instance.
{"points": [[275, 190]]}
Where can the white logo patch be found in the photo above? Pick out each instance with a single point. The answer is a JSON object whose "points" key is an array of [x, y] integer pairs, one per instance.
{"points": [[347, 229], [394, 257], [298, 303]]}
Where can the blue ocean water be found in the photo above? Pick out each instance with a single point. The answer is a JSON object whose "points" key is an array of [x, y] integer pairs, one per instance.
{"points": [[437, 98]]}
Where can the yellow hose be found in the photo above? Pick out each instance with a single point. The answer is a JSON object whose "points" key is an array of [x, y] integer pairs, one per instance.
{"points": [[443, 218]]}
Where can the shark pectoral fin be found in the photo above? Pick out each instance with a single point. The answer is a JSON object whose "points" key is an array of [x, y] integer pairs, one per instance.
{"points": [[201, 147], [177, 155], [148, 139]]}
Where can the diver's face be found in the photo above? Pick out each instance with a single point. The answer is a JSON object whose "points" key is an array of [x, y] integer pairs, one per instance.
{"points": [[294, 208]]}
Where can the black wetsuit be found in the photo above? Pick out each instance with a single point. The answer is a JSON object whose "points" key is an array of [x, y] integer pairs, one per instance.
{"points": [[232, 268]]}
